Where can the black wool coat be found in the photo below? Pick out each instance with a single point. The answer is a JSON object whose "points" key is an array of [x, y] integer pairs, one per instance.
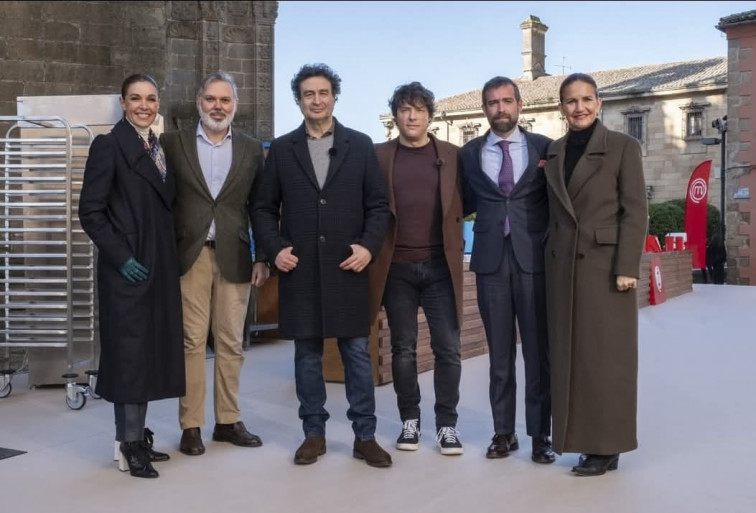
{"points": [[317, 298], [125, 208]]}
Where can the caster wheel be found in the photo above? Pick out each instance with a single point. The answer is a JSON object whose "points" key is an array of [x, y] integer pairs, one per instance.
{"points": [[77, 403], [6, 390], [92, 394]]}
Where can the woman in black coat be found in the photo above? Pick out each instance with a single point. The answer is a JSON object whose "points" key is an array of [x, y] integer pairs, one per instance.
{"points": [[125, 208]]}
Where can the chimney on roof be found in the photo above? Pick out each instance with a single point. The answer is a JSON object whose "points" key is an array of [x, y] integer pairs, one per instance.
{"points": [[533, 48]]}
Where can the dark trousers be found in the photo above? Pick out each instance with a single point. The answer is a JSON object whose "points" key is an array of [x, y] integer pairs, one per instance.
{"points": [[426, 284], [506, 295], [129, 421], [358, 383]]}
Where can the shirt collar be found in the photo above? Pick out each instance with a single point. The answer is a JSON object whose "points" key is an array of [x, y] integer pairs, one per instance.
{"points": [[325, 134], [515, 137]]}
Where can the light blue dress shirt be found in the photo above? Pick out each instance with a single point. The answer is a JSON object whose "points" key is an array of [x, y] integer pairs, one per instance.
{"points": [[491, 156], [215, 162]]}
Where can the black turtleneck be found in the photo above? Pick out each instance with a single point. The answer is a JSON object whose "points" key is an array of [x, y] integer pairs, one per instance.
{"points": [[577, 141]]}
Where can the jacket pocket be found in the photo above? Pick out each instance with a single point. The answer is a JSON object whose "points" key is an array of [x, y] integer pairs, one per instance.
{"points": [[607, 235]]}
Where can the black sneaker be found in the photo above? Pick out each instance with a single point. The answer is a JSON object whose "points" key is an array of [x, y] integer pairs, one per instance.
{"points": [[447, 440], [409, 440]]}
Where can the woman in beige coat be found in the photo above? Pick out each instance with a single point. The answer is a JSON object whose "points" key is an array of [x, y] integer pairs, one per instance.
{"points": [[597, 225]]}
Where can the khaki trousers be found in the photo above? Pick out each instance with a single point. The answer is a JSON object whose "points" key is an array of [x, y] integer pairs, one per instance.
{"points": [[206, 295]]}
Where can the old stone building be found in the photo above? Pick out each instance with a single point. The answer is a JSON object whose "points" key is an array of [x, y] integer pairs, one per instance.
{"points": [[82, 48], [667, 107]]}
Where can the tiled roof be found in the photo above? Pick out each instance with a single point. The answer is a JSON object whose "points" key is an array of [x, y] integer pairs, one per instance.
{"points": [[615, 82], [734, 19]]}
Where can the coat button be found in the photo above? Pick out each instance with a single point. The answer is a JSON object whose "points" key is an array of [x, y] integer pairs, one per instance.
{"points": [[323, 201], [580, 256], [553, 253], [322, 238]]}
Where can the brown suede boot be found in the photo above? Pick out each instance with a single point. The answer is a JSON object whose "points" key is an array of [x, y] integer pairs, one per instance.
{"points": [[372, 453], [312, 447]]}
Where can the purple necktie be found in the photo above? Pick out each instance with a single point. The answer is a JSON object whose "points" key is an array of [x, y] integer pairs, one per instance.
{"points": [[506, 176]]}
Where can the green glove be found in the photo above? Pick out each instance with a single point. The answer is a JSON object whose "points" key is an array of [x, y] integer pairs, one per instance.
{"points": [[133, 270]]}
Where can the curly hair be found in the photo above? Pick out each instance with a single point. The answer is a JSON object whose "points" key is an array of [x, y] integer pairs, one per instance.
{"points": [[315, 70], [412, 94]]}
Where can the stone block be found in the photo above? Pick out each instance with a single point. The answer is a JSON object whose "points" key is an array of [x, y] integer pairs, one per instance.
{"points": [[211, 11], [183, 47], [12, 27], [94, 54], [264, 34], [154, 39], [24, 71], [238, 34], [183, 30], [230, 65], [60, 31], [106, 34], [184, 11], [239, 51], [94, 12], [21, 10]]}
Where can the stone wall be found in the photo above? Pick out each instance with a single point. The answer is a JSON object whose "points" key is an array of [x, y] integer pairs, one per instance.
{"points": [[80, 48], [741, 153]]}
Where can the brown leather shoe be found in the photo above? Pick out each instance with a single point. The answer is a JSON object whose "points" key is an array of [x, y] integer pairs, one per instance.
{"points": [[542, 451], [312, 447], [237, 434], [191, 442], [501, 445], [372, 453]]}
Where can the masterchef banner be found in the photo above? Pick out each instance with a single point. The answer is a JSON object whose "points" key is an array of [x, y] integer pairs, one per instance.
{"points": [[695, 213]]}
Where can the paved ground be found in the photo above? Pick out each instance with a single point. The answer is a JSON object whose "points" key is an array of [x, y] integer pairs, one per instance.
{"points": [[696, 420]]}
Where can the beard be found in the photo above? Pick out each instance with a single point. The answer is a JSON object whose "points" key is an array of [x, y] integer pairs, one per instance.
{"points": [[216, 125], [503, 124]]}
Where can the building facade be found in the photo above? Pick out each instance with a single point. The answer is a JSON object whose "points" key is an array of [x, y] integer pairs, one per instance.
{"points": [[83, 48], [667, 107]]}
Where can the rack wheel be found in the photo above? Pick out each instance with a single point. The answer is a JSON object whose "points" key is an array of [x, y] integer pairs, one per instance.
{"points": [[78, 403], [6, 390]]}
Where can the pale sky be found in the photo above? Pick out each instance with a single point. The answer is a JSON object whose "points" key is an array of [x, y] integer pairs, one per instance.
{"points": [[454, 47]]}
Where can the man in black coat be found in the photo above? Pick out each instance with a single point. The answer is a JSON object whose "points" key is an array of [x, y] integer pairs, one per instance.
{"points": [[505, 184], [322, 183]]}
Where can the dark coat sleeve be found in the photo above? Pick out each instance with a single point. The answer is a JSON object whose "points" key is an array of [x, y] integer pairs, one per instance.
{"points": [[266, 207], [96, 220], [376, 205]]}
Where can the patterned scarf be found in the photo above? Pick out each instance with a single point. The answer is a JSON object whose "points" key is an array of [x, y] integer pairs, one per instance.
{"points": [[156, 152]]}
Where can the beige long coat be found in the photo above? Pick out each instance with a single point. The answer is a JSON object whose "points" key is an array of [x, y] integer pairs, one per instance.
{"points": [[596, 231]]}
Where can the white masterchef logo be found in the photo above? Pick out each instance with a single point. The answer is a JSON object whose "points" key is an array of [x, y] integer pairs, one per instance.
{"points": [[698, 190]]}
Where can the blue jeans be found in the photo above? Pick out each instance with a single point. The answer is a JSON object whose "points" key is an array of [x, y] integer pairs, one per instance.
{"points": [[427, 284], [358, 382]]}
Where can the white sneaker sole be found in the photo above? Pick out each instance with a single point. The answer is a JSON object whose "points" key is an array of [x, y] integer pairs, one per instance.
{"points": [[452, 451], [407, 447]]}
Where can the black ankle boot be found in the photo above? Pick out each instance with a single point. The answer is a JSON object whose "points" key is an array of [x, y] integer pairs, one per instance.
{"points": [[154, 455], [138, 459], [596, 464]]}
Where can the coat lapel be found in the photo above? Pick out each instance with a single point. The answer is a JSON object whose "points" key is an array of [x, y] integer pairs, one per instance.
{"points": [[555, 174], [302, 154], [386, 154], [139, 160], [590, 162], [530, 169], [339, 151], [447, 179], [188, 140], [238, 154]]}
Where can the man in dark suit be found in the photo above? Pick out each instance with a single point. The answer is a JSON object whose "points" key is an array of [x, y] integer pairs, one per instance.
{"points": [[321, 212], [506, 186], [420, 264], [215, 169]]}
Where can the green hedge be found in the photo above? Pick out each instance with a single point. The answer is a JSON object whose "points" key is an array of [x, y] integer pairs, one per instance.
{"points": [[668, 217]]}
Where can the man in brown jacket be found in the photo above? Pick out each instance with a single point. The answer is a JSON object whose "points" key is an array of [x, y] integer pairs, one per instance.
{"points": [[420, 264]]}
